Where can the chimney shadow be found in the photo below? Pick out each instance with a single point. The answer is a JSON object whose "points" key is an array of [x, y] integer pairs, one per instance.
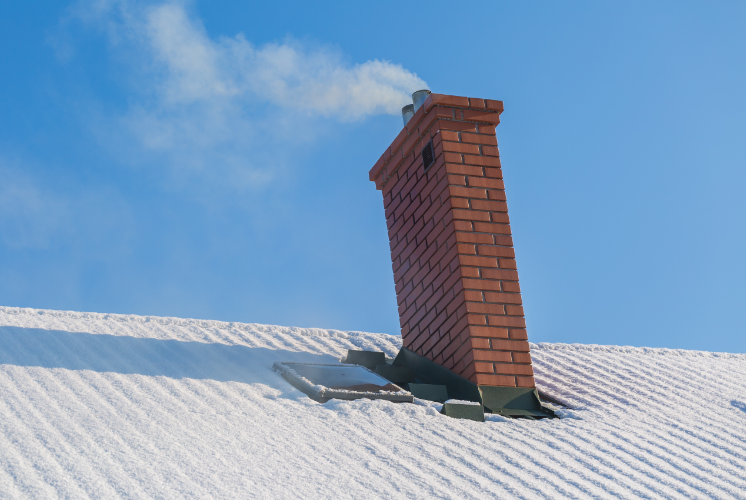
{"points": [[103, 353]]}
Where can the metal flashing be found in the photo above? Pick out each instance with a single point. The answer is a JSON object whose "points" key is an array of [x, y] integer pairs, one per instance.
{"points": [[368, 359], [513, 401], [428, 372], [467, 412], [429, 392], [521, 402], [398, 375]]}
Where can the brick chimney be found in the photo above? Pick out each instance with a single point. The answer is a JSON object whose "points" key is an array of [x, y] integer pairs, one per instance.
{"points": [[451, 245]]}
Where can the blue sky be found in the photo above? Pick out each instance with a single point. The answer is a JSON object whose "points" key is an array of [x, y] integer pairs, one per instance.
{"points": [[210, 159]]}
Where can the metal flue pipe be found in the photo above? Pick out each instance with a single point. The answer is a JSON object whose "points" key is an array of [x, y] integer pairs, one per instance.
{"points": [[419, 97], [407, 112]]}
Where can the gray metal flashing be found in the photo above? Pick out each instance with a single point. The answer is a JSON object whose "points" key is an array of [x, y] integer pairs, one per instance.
{"points": [[429, 392], [506, 401], [429, 372], [368, 359], [518, 398], [426, 380], [468, 412], [396, 374]]}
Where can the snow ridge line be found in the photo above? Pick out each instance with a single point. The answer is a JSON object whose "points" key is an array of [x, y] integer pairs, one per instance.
{"points": [[628, 349], [332, 333], [198, 323]]}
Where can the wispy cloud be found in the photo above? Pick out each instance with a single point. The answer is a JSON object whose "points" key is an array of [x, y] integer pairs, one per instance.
{"points": [[210, 104]]}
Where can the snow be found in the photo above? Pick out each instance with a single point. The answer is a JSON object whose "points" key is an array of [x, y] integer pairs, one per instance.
{"points": [[116, 406], [462, 402]]}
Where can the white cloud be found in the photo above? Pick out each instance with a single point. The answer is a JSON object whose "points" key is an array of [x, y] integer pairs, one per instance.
{"points": [[213, 107]]}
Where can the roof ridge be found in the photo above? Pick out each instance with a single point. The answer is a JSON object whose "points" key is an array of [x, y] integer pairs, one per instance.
{"points": [[628, 348], [172, 320]]}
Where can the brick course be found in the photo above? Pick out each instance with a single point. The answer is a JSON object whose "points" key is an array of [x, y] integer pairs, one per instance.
{"points": [[451, 250]]}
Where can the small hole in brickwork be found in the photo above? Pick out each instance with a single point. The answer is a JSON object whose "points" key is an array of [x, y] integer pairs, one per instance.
{"points": [[427, 155]]}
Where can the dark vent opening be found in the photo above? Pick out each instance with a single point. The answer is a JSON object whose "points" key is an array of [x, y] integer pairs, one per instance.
{"points": [[427, 155]]}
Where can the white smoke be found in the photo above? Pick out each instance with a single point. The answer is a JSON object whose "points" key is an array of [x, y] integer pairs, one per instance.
{"points": [[287, 74], [209, 105]]}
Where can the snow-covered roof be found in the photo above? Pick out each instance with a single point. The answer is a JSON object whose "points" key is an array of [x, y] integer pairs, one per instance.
{"points": [[108, 406]]}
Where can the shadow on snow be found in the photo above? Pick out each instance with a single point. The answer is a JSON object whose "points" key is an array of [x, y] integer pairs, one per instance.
{"points": [[738, 404], [153, 357]]}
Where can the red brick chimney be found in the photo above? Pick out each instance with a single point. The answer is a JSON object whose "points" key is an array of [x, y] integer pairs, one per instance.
{"points": [[451, 246]]}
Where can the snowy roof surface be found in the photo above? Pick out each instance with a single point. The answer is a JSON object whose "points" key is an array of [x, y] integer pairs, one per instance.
{"points": [[107, 406]]}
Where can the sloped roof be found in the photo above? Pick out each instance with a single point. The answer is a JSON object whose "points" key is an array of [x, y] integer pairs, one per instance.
{"points": [[106, 406]]}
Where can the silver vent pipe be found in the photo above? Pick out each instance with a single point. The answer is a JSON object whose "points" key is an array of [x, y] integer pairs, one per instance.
{"points": [[407, 112], [419, 97]]}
